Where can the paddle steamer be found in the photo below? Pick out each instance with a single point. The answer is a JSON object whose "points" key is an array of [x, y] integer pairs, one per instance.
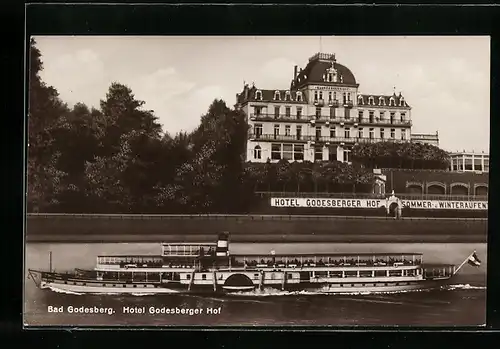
{"points": [[210, 268]]}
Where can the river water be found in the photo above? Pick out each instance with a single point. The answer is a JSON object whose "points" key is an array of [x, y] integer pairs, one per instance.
{"points": [[462, 303]]}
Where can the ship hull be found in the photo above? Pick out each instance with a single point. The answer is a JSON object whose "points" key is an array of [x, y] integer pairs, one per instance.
{"points": [[151, 289]]}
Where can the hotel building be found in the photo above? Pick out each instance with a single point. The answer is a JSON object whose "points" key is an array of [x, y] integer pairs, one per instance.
{"points": [[321, 116]]}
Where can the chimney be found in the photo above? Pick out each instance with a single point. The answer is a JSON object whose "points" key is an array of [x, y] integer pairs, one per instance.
{"points": [[295, 70]]}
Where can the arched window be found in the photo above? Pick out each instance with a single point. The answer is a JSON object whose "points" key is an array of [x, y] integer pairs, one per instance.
{"points": [[360, 99], [392, 102], [257, 152], [370, 101], [299, 96], [258, 95], [277, 96], [381, 101]]}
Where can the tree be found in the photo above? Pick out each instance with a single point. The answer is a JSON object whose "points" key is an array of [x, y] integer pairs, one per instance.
{"points": [[45, 112]]}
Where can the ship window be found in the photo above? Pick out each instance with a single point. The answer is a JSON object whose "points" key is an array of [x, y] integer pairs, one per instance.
{"points": [[84, 284], [203, 276], [124, 285], [290, 276], [135, 285], [188, 277], [341, 285], [113, 285]]}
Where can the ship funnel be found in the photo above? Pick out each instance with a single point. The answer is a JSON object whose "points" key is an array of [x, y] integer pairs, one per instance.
{"points": [[222, 248]]}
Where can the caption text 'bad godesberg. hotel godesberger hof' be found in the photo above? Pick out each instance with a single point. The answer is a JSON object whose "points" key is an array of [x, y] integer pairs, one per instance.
{"points": [[322, 116]]}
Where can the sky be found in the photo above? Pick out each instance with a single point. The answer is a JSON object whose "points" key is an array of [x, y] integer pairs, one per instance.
{"points": [[446, 80]]}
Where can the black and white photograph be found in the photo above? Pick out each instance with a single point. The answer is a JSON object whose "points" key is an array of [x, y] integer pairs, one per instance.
{"points": [[257, 181]]}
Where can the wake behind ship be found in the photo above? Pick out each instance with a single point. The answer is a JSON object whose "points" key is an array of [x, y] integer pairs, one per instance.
{"points": [[211, 269]]}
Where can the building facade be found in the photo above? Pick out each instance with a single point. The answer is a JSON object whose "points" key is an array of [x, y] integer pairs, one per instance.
{"points": [[321, 116], [469, 162], [426, 138]]}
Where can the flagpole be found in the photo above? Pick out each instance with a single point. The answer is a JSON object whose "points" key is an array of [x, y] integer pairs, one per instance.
{"points": [[461, 265]]}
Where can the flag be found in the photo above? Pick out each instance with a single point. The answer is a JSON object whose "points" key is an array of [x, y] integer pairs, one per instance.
{"points": [[473, 260]]}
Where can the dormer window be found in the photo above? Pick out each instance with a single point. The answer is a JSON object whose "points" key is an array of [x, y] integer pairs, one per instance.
{"points": [[287, 96], [392, 102], [370, 101], [360, 99], [299, 96], [381, 101], [277, 96], [401, 102], [258, 95]]}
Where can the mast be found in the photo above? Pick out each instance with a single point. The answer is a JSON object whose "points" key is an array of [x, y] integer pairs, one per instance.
{"points": [[50, 261]]}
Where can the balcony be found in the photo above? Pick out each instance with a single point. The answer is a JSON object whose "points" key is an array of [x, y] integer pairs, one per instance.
{"points": [[321, 139], [347, 104], [374, 121], [333, 103], [279, 117], [319, 102]]}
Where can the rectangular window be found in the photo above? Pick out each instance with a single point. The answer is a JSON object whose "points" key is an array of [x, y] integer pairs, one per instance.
{"points": [[478, 166], [287, 111], [468, 164], [370, 115], [360, 133], [403, 117], [299, 131], [299, 112], [347, 112], [372, 133], [315, 96], [275, 151], [318, 153], [329, 96], [298, 150], [287, 152], [347, 155], [347, 132], [360, 116], [258, 130], [332, 113], [393, 133], [257, 110], [321, 95], [332, 153], [318, 112], [486, 165], [403, 134], [276, 112], [392, 117], [382, 115], [276, 131], [333, 131], [382, 135], [287, 130], [460, 164]]}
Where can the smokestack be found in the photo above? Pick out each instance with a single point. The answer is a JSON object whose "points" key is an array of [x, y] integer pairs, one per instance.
{"points": [[295, 70], [222, 248]]}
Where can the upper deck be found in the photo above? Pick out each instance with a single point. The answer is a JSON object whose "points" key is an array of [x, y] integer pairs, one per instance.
{"points": [[328, 259], [187, 249]]}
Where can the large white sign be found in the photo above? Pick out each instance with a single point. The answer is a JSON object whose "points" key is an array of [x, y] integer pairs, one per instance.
{"points": [[377, 203]]}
